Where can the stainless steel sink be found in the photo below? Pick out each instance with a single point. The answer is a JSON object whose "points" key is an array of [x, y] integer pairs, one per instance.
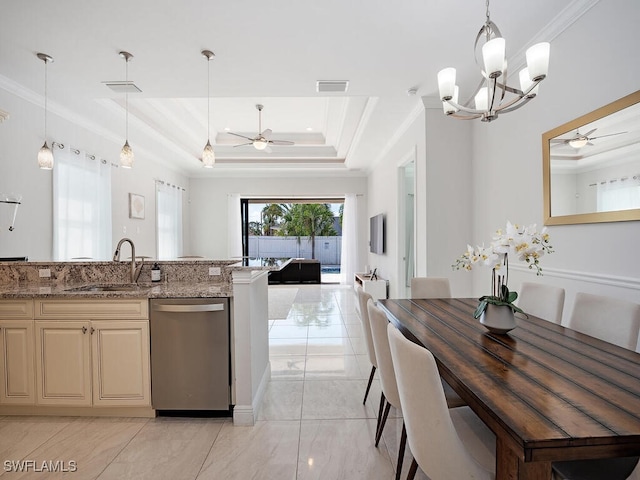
{"points": [[106, 288]]}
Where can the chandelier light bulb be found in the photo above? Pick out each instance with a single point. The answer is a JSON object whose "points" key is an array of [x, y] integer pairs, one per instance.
{"points": [[446, 83], [538, 60], [525, 83], [493, 54]]}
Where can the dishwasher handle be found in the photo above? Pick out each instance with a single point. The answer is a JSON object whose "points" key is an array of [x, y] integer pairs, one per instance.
{"points": [[186, 308]]}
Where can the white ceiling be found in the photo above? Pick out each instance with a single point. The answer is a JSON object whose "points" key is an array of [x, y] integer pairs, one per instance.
{"points": [[270, 53]]}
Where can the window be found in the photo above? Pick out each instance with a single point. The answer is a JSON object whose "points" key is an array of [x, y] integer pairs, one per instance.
{"points": [[169, 220], [81, 206], [619, 194]]}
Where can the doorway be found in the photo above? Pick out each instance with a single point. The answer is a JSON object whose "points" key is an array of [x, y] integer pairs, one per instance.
{"points": [[406, 224]]}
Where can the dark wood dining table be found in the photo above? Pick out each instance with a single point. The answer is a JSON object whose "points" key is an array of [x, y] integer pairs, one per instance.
{"points": [[548, 392]]}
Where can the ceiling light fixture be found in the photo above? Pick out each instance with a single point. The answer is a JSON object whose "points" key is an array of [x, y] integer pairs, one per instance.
{"points": [[126, 154], [491, 96], [208, 155], [45, 155]]}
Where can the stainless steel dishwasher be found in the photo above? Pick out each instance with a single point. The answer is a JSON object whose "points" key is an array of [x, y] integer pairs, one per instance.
{"points": [[190, 356]]}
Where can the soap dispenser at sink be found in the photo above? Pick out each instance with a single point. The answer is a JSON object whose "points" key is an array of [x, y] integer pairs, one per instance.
{"points": [[156, 273]]}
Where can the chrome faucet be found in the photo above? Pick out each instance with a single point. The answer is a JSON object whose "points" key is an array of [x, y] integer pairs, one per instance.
{"points": [[135, 269]]}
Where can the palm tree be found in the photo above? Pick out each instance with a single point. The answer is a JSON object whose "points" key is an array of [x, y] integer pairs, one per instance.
{"points": [[272, 215], [308, 220]]}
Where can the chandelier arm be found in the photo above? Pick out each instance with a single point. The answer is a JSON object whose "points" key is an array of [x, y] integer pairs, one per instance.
{"points": [[523, 101], [472, 111], [464, 117]]}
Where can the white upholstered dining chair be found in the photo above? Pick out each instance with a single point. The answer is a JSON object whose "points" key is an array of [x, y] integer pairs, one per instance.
{"points": [[363, 297], [436, 287], [445, 443], [389, 397], [430, 287], [542, 301], [610, 319]]}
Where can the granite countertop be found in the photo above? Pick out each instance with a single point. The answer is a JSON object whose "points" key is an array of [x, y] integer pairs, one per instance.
{"points": [[146, 290]]}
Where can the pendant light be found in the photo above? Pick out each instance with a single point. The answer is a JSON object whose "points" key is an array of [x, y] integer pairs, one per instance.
{"points": [[126, 154], [208, 155], [493, 96], [45, 155]]}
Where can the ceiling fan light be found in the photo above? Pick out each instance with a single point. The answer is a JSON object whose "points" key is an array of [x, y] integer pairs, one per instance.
{"points": [[538, 60], [208, 156], [45, 157], [126, 156], [260, 143], [578, 142], [493, 54]]}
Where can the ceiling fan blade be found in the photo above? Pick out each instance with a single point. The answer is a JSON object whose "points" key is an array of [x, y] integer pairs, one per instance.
{"points": [[267, 133], [589, 132], [241, 136], [268, 149], [590, 144], [281, 142], [243, 144], [609, 135], [559, 140]]}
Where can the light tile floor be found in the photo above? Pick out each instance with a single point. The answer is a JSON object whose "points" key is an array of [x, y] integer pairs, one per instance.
{"points": [[312, 424]]}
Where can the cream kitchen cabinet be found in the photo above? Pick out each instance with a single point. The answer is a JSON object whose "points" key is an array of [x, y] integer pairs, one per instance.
{"points": [[17, 369], [92, 353]]}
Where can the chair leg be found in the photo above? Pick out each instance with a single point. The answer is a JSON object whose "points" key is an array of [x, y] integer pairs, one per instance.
{"points": [[403, 443], [366, 394], [384, 420], [382, 400], [412, 470]]}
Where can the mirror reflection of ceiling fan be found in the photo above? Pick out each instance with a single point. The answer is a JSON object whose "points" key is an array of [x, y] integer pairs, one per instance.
{"points": [[261, 141], [579, 140]]}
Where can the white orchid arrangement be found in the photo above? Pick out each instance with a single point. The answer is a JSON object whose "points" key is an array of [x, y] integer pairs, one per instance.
{"points": [[524, 243]]}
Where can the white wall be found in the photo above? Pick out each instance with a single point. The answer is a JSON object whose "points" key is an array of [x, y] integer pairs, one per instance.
{"points": [[21, 136], [209, 199], [592, 63]]}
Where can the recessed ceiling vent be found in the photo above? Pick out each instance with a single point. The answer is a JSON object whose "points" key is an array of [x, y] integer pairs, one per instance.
{"points": [[332, 86], [123, 86]]}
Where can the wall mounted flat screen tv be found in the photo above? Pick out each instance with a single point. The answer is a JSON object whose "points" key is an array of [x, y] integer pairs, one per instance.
{"points": [[377, 234]]}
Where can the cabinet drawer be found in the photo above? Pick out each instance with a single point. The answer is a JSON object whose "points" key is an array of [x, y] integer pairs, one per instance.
{"points": [[16, 309], [93, 309]]}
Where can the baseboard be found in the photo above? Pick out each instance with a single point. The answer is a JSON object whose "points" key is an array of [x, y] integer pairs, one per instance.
{"points": [[246, 415]]}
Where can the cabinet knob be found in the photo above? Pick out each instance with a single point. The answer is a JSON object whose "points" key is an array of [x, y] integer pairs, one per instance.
{"points": [[84, 330], [92, 330]]}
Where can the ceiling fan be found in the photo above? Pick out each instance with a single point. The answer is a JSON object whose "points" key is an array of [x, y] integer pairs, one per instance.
{"points": [[579, 140], [262, 140]]}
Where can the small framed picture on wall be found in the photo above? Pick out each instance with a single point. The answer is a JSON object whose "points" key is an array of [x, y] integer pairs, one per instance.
{"points": [[136, 206]]}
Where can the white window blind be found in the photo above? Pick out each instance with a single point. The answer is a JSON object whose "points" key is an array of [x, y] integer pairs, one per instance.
{"points": [[169, 220], [619, 194], [81, 206]]}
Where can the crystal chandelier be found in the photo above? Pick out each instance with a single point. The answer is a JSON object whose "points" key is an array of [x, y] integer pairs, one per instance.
{"points": [[45, 155], [493, 96], [126, 154], [208, 155]]}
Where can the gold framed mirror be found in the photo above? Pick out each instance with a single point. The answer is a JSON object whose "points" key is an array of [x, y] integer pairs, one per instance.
{"points": [[591, 166]]}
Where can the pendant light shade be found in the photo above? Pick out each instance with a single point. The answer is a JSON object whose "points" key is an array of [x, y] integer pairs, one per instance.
{"points": [[208, 155], [126, 154], [45, 155]]}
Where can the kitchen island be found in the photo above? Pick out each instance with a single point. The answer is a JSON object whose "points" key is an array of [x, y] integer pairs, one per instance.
{"points": [[23, 292]]}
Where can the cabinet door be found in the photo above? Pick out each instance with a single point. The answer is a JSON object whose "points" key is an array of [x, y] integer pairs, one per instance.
{"points": [[17, 369], [120, 353], [63, 363]]}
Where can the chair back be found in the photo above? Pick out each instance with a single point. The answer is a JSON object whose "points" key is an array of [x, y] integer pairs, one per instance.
{"points": [[431, 434], [378, 320], [363, 298], [609, 319], [542, 301], [430, 287]]}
